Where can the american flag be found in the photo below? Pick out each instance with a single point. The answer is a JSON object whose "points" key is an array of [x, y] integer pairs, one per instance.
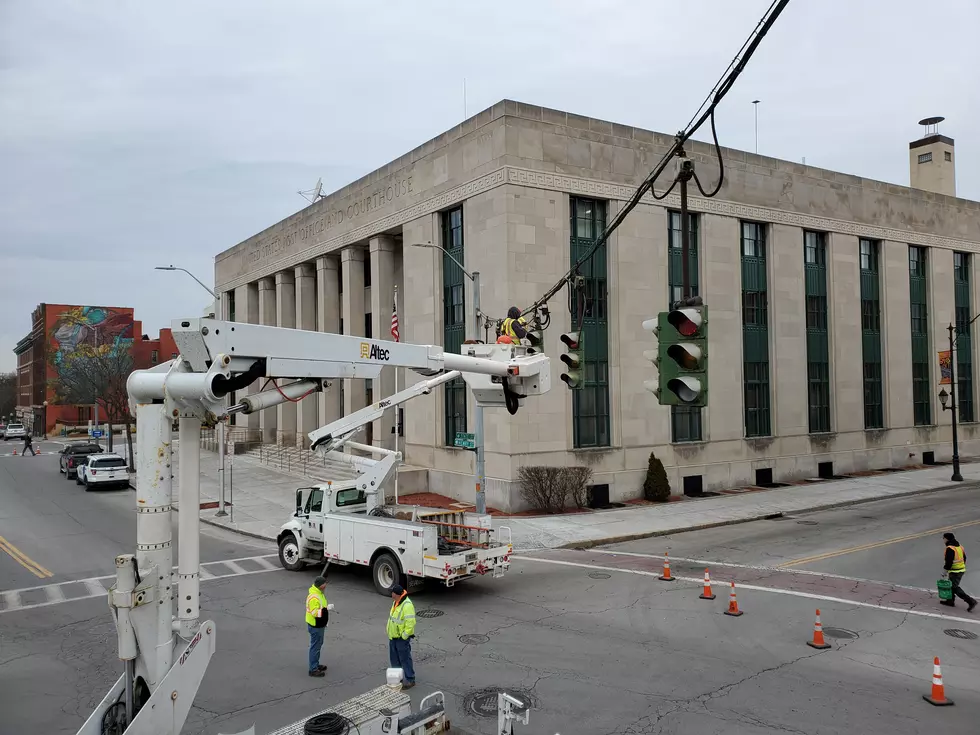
{"points": [[394, 319]]}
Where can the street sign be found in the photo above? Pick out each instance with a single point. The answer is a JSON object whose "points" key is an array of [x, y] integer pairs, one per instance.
{"points": [[96, 433], [465, 441]]}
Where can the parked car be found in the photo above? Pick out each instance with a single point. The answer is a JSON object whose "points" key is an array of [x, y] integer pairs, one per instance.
{"points": [[75, 454], [102, 470], [14, 431]]}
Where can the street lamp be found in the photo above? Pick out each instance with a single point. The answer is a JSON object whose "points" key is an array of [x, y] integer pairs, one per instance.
{"points": [[175, 268], [950, 397], [481, 472]]}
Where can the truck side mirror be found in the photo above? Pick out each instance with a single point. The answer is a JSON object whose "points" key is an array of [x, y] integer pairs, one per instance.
{"points": [[299, 501]]}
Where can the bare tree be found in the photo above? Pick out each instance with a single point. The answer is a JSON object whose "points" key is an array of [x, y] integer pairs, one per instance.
{"points": [[97, 375]]}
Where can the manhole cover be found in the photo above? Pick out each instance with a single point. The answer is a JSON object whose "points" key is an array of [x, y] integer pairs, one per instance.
{"points": [[473, 639], [966, 635], [840, 633], [807, 523], [430, 613], [600, 575], [483, 703]]}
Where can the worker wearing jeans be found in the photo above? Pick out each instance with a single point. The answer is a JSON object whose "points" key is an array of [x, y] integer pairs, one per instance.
{"points": [[401, 631], [317, 614]]}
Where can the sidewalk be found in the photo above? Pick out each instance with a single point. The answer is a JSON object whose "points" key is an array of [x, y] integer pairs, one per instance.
{"points": [[264, 499]]}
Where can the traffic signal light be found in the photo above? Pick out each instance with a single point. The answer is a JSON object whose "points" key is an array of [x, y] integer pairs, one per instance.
{"points": [[681, 356], [573, 359]]}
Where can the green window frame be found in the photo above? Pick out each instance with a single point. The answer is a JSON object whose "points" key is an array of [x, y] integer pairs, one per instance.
{"points": [[919, 315], [685, 421], [755, 331], [453, 320], [589, 306], [870, 254], [817, 331], [964, 339]]}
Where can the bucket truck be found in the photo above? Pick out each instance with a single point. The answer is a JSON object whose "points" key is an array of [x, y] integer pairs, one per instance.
{"points": [[165, 656], [349, 522]]}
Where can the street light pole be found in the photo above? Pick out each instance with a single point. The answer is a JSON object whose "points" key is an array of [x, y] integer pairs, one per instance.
{"points": [[954, 407], [184, 270], [480, 478]]}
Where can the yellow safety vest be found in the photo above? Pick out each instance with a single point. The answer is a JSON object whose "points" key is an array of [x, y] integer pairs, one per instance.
{"points": [[959, 559], [508, 326], [316, 604], [401, 619]]}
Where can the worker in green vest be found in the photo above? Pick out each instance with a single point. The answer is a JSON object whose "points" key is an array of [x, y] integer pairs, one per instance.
{"points": [[317, 614], [954, 564], [401, 631]]}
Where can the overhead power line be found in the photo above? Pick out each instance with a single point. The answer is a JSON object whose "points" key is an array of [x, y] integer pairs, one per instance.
{"points": [[705, 112]]}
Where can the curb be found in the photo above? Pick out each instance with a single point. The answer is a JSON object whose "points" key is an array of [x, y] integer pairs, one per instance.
{"points": [[591, 543], [215, 524]]}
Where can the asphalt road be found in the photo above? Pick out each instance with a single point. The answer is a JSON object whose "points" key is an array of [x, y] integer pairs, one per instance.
{"points": [[597, 642]]}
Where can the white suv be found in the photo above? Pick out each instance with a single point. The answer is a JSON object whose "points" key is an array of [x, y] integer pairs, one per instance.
{"points": [[14, 431], [103, 470]]}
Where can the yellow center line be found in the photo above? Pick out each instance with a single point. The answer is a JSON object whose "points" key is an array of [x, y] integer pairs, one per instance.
{"points": [[875, 545], [23, 559]]}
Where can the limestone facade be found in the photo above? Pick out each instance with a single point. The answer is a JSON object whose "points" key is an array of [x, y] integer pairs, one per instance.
{"points": [[515, 170]]}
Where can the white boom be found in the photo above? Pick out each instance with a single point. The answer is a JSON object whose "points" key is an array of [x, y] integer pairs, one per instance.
{"points": [[217, 358]]}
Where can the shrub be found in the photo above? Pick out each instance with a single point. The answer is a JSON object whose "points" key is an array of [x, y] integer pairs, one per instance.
{"points": [[656, 487], [549, 489]]}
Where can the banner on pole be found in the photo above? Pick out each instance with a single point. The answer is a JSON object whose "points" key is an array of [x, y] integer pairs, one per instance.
{"points": [[945, 367]]}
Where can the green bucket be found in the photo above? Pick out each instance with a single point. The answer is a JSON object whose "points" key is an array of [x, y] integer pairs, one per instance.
{"points": [[945, 588]]}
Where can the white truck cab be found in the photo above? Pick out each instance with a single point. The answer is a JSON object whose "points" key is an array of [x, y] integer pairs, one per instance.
{"points": [[339, 523]]}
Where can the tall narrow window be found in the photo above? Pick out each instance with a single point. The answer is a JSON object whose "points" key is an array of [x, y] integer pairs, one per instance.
{"points": [[919, 312], [454, 319], [964, 341], [231, 305], [590, 404], [817, 342], [874, 417], [755, 330], [685, 421]]}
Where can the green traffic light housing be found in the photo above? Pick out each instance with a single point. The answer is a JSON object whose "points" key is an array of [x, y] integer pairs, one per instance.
{"points": [[573, 359], [681, 357]]}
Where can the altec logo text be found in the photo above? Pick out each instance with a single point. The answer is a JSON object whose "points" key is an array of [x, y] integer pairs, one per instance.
{"points": [[374, 352]]}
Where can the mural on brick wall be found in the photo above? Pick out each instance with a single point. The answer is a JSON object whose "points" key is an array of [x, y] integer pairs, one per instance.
{"points": [[86, 341]]}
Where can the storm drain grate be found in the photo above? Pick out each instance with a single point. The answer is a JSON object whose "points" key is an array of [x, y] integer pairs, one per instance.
{"points": [[473, 639], [483, 702], [966, 635], [600, 575], [807, 523], [430, 613], [840, 633]]}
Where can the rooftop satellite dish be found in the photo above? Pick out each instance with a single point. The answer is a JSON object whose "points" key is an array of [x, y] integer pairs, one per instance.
{"points": [[315, 194], [930, 125]]}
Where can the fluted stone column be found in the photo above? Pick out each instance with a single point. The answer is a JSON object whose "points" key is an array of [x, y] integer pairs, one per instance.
{"points": [[352, 272], [328, 320], [286, 317], [382, 251], [268, 420], [305, 275], [247, 312]]}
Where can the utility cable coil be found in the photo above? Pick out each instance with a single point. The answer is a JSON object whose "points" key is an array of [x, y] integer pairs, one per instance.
{"points": [[329, 723]]}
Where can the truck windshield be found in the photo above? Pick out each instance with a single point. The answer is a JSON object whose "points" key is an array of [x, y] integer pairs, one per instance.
{"points": [[350, 497]]}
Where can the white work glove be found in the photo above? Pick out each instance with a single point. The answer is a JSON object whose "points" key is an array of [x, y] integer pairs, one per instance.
{"points": [[330, 606]]}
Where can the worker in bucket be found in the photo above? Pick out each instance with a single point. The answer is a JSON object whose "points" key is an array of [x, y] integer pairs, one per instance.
{"points": [[517, 328], [401, 631], [317, 614], [954, 564]]}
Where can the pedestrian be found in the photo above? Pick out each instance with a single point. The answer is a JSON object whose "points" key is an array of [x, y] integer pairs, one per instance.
{"points": [[955, 566], [317, 614], [401, 631], [28, 444]]}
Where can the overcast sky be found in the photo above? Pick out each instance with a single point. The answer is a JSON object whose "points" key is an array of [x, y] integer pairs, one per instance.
{"points": [[135, 134]]}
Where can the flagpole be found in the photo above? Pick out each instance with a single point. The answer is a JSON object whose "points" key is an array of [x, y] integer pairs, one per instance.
{"points": [[397, 408]]}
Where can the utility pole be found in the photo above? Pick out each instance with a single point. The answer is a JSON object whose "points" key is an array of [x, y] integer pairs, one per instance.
{"points": [[755, 104], [953, 408], [481, 470], [685, 173]]}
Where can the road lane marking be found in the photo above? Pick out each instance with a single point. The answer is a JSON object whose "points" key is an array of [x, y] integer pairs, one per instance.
{"points": [[23, 559], [758, 588], [13, 600], [759, 567], [875, 545]]}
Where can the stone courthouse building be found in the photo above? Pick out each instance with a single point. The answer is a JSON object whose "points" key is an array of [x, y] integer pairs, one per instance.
{"points": [[829, 297]]}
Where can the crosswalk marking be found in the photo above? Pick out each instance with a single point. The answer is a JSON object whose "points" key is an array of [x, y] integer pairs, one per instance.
{"points": [[29, 598]]}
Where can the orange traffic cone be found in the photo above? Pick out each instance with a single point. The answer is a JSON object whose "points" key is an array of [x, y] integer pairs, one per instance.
{"points": [[15, 452], [733, 604], [666, 573], [938, 696], [818, 641], [707, 594]]}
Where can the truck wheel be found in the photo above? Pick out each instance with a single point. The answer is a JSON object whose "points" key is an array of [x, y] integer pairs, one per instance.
{"points": [[387, 573], [289, 554]]}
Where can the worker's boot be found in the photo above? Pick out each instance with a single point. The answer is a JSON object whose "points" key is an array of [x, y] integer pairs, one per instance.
{"points": [[947, 603], [317, 672], [321, 667]]}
